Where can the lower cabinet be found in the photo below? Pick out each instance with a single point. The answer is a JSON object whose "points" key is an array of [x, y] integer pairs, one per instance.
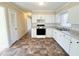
{"points": [[63, 40], [48, 32], [68, 43], [74, 47]]}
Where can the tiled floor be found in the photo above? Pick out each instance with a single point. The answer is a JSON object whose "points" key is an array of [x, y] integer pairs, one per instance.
{"points": [[34, 47]]}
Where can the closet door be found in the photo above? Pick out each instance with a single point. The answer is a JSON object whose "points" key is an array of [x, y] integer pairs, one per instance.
{"points": [[13, 26]]}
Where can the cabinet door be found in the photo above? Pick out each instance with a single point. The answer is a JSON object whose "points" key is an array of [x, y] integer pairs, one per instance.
{"points": [[53, 33], [34, 18], [60, 38], [66, 43], [49, 19], [74, 48], [56, 35], [52, 19], [49, 32], [33, 32]]}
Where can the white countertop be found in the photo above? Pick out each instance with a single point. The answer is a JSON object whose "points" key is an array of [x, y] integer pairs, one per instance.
{"points": [[73, 32]]}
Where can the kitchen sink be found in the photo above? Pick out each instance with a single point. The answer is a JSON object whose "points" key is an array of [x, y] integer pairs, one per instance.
{"points": [[62, 29]]}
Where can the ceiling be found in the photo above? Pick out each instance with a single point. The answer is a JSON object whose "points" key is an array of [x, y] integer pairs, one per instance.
{"points": [[32, 6]]}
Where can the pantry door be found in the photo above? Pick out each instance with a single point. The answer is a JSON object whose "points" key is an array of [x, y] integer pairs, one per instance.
{"points": [[13, 26]]}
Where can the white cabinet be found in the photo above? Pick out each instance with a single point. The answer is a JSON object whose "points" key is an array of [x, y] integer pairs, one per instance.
{"points": [[46, 18], [66, 43], [48, 32], [50, 19], [74, 48], [34, 18], [33, 31], [58, 36], [54, 34], [62, 39]]}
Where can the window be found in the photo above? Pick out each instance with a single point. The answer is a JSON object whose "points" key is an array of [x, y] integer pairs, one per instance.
{"points": [[64, 18]]}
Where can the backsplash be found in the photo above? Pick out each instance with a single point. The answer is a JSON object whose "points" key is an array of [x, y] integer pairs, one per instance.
{"points": [[47, 25], [75, 25]]}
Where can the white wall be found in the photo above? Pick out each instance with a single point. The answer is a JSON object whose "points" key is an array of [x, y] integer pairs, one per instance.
{"points": [[74, 15], [3, 30], [4, 24]]}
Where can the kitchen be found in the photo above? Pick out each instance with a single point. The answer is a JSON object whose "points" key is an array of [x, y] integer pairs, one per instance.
{"points": [[51, 20], [65, 32]]}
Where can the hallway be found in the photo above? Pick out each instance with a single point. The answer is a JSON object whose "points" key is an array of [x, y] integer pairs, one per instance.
{"points": [[34, 47]]}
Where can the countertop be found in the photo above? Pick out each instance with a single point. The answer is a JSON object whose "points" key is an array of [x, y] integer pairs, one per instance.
{"points": [[72, 32]]}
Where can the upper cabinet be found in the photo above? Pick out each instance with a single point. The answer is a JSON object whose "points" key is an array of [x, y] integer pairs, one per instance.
{"points": [[50, 18], [34, 17], [43, 18]]}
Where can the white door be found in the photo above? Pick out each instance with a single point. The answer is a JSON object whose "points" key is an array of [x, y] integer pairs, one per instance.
{"points": [[13, 26]]}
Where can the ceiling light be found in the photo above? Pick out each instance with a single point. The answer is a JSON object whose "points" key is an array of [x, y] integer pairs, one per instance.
{"points": [[41, 3]]}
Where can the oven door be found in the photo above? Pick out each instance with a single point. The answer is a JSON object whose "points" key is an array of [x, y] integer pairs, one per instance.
{"points": [[41, 31]]}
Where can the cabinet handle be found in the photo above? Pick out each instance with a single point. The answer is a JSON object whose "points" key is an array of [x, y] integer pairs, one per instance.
{"points": [[70, 42], [77, 42]]}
